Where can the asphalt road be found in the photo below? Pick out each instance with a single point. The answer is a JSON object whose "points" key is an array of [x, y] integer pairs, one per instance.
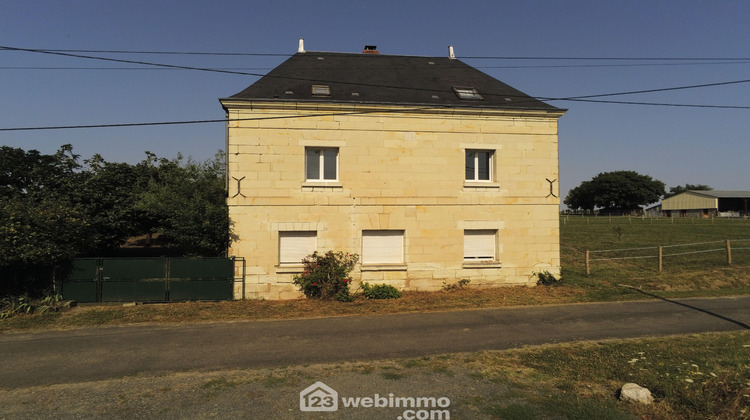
{"points": [[51, 357]]}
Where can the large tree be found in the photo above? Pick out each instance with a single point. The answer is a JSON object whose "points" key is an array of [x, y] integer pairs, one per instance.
{"points": [[184, 203], [53, 208], [619, 191], [42, 221], [688, 187]]}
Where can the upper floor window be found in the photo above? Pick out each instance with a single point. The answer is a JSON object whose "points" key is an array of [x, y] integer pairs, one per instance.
{"points": [[321, 163], [479, 165]]}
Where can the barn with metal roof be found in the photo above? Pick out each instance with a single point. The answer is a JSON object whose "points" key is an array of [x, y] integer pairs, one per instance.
{"points": [[711, 203]]}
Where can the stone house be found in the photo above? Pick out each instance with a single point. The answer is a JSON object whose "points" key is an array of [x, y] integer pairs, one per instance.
{"points": [[429, 169]]}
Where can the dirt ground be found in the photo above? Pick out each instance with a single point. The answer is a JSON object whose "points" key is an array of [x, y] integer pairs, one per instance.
{"points": [[256, 394]]}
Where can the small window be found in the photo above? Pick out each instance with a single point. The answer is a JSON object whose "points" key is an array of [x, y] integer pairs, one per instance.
{"points": [[469, 94], [321, 90], [479, 245], [479, 165], [295, 246], [383, 247], [321, 163]]}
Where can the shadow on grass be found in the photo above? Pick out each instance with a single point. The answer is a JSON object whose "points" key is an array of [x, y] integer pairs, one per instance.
{"points": [[695, 308]]}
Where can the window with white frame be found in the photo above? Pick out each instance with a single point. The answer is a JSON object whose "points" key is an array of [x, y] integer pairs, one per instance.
{"points": [[382, 247], [479, 245], [294, 246], [321, 163], [479, 165]]}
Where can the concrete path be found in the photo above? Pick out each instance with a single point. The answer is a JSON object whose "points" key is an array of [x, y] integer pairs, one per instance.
{"points": [[51, 357]]}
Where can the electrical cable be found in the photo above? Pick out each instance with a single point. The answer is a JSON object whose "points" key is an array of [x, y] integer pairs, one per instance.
{"points": [[582, 98], [210, 53]]}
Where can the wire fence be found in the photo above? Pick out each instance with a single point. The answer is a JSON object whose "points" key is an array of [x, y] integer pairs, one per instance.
{"points": [[724, 252]]}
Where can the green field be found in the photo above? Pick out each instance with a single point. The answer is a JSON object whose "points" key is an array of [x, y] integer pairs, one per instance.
{"points": [[701, 270]]}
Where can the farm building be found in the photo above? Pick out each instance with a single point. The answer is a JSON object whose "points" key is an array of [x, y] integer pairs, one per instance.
{"points": [[429, 169], [711, 203]]}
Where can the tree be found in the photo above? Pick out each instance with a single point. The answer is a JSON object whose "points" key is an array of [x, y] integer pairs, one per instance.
{"points": [[186, 203], [42, 220], [619, 191], [688, 187], [109, 193], [53, 209], [581, 197]]}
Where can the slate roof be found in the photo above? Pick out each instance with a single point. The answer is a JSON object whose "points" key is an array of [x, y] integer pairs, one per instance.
{"points": [[385, 79]]}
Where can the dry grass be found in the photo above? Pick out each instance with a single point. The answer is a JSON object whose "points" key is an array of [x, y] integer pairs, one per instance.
{"points": [[703, 376], [191, 312]]}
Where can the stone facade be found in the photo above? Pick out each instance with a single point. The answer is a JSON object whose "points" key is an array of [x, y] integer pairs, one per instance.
{"points": [[400, 169]]}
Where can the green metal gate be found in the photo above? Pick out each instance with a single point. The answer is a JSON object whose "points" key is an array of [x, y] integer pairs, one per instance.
{"points": [[150, 279]]}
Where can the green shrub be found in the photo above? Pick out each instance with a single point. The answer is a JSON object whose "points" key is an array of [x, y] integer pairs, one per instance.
{"points": [[380, 291], [326, 276], [23, 304]]}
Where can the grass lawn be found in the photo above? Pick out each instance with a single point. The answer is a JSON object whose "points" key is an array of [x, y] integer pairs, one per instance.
{"points": [[703, 376], [694, 273]]}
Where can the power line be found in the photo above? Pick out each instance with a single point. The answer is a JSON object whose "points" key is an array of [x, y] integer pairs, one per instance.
{"points": [[552, 66], [169, 53], [118, 68], [582, 98], [116, 60], [187, 122], [670, 61], [213, 53], [660, 104], [634, 92], [607, 58], [224, 120], [579, 66], [172, 66]]}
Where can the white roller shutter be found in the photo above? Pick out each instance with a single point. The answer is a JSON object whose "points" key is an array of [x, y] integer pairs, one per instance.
{"points": [[479, 244], [383, 247], [294, 246]]}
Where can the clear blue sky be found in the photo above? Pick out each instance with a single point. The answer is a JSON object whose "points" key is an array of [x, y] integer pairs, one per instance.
{"points": [[676, 145]]}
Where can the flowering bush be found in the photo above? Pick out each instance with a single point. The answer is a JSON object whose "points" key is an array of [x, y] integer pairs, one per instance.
{"points": [[326, 276]]}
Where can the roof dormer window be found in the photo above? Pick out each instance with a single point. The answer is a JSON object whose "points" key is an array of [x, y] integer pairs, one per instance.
{"points": [[321, 90], [467, 93]]}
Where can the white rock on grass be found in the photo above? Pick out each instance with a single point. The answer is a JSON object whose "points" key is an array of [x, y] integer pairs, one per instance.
{"points": [[637, 393]]}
